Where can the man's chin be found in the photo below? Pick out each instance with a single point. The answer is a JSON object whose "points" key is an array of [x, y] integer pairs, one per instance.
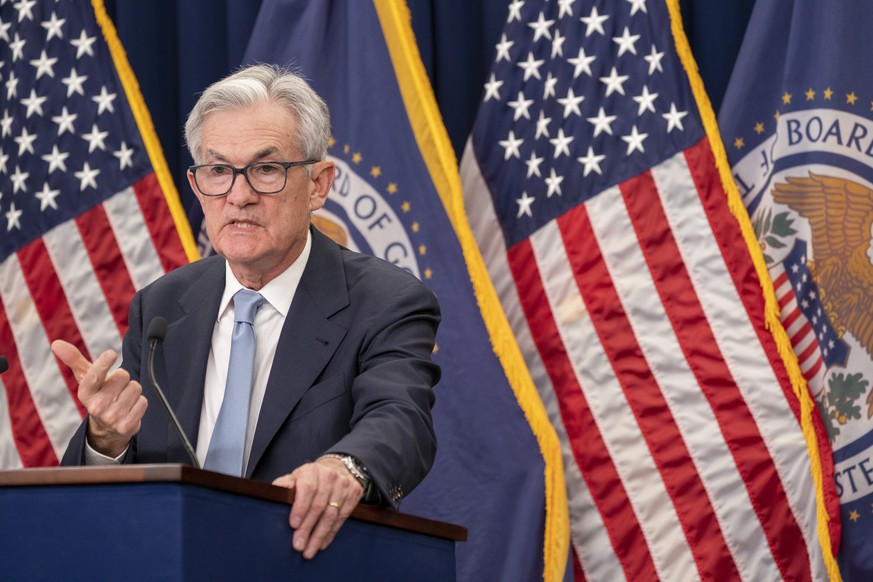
{"points": [[240, 254]]}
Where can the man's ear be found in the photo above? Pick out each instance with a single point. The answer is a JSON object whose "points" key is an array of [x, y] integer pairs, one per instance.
{"points": [[194, 188], [322, 176]]}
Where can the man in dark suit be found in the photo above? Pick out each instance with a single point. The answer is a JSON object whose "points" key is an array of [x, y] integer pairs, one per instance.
{"points": [[341, 386]]}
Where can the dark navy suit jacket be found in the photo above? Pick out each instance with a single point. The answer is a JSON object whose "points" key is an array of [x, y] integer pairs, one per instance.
{"points": [[352, 372]]}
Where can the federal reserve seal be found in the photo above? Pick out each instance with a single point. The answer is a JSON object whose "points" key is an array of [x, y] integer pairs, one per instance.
{"points": [[808, 186], [359, 217]]}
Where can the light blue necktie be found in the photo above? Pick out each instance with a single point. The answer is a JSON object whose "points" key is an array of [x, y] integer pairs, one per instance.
{"points": [[227, 447]]}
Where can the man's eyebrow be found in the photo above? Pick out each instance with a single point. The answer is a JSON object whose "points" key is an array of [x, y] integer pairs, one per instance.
{"points": [[264, 153]]}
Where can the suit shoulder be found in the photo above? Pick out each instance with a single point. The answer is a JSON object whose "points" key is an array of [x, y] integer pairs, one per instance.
{"points": [[185, 274], [375, 272]]}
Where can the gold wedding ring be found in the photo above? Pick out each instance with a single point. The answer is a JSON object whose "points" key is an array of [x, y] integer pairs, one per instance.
{"points": [[334, 504]]}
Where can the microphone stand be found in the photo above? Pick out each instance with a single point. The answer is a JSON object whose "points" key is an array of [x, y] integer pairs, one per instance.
{"points": [[157, 329]]}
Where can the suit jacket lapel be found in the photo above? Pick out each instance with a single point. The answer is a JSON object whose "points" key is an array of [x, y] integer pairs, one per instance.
{"points": [[307, 342], [187, 346]]}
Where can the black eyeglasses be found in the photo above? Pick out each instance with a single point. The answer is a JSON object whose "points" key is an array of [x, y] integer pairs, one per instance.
{"points": [[263, 177]]}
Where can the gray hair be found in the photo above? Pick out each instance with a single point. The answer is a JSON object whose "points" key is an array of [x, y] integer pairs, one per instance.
{"points": [[265, 84]]}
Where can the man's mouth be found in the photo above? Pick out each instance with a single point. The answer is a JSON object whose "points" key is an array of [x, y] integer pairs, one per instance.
{"points": [[242, 224]]}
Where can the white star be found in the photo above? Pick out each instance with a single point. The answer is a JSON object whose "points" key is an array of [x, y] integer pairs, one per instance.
{"points": [[124, 155], [4, 30], [3, 159], [47, 197], [520, 107], [674, 119], [646, 101], [554, 183], [44, 65], [614, 82], [654, 60], [541, 27], [503, 49], [561, 142], [542, 125], [635, 140], [492, 88], [571, 103], [104, 101], [95, 138], [24, 8], [65, 121], [565, 6], [594, 22], [582, 62], [33, 103], [524, 204], [637, 5], [19, 180], [626, 42], [83, 45], [591, 161], [87, 177], [515, 10], [602, 122], [6, 124], [510, 146], [25, 141], [17, 47], [531, 67], [12, 217], [533, 164], [74, 82], [558, 44], [549, 86], [11, 86], [53, 26], [56, 160]]}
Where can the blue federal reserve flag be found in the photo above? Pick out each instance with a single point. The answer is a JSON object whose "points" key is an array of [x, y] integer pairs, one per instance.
{"points": [[397, 196], [797, 121]]}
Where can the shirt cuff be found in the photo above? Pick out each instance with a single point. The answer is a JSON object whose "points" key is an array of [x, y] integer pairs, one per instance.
{"points": [[92, 457]]}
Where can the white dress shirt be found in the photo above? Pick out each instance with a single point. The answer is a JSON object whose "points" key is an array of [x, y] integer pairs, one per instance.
{"points": [[268, 326]]}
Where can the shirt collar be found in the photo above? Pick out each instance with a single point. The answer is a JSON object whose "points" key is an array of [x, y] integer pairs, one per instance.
{"points": [[279, 292]]}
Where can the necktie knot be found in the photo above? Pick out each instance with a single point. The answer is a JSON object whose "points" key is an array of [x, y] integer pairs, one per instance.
{"points": [[245, 305]]}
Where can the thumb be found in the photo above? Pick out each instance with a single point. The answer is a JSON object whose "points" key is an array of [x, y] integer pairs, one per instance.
{"points": [[72, 357]]}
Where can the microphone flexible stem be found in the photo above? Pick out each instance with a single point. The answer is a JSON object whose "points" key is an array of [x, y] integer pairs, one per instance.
{"points": [[153, 344]]}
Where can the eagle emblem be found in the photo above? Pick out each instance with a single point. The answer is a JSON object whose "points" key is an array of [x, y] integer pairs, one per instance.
{"points": [[840, 214]]}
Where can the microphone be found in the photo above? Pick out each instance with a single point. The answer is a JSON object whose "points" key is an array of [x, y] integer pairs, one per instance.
{"points": [[156, 332], [4, 364]]}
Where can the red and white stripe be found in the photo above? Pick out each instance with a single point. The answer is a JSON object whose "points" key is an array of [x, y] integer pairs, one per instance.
{"points": [[800, 331], [640, 316], [73, 283]]}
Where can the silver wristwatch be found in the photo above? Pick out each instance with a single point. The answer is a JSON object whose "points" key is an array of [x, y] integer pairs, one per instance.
{"points": [[358, 471]]}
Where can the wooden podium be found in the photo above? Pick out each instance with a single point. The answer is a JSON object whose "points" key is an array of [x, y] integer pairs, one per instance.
{"points": [[172, 522]]}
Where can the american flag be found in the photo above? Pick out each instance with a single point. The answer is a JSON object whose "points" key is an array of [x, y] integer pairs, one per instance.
{"points": [[85, 216], [593, 192]]}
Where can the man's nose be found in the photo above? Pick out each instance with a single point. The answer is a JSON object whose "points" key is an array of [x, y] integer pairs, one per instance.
{"points": [[241, 193]]}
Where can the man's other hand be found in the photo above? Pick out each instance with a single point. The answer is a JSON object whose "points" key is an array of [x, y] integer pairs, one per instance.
{"points": [[325, 494]]}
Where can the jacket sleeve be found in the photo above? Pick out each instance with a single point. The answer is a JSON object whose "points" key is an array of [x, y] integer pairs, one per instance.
{"points": [[392, 432]]}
